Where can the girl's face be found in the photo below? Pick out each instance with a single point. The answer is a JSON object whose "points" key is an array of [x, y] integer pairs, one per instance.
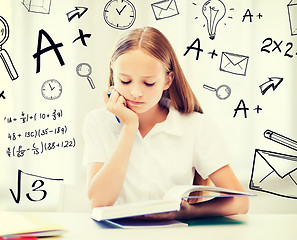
{"points": [[140, 79]]}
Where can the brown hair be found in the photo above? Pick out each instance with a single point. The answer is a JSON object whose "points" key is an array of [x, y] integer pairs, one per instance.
{"points": [[153, 42]]}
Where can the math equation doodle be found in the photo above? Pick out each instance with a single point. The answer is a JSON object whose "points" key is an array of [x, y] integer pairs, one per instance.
{"points": [[38, 193], [45, 137]]}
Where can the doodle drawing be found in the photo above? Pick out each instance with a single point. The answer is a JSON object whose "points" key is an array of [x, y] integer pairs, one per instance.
{"points": [[51, 89], [213, 11], [4, 56], [283, 140], [119, 14], [38, 6], [2, 95], [164, 9], [234, 63], [85, 70], [273, 83], [222, 92], [78, 11], [273, 172], [292, 11], [36, 187]]}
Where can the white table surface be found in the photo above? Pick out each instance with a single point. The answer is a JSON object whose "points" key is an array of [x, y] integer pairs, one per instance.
{"points": [[257, 226]]}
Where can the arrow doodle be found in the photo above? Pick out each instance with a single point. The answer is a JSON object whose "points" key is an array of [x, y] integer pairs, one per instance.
{"points": [[273, 83], [78, 11]]}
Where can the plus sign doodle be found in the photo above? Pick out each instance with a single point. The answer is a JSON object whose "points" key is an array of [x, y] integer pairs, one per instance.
{"points": [[2, 95]]}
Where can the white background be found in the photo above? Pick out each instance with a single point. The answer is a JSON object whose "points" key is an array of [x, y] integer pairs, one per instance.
{"points": [[234, 35]]}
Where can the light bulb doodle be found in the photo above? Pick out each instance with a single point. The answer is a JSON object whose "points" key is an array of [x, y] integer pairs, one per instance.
{"points": [[213, 11]]}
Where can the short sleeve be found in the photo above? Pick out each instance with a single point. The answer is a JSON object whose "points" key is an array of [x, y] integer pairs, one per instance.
{"points": [[211, 151], [93, 135]]}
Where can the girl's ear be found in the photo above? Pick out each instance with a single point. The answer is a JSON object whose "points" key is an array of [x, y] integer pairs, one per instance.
{"points": [[169, 79]]}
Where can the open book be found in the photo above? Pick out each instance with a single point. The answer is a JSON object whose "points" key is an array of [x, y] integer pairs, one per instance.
{"points": [[170, 202]]}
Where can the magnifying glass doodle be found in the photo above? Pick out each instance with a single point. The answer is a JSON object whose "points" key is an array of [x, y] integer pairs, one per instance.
{"points": [[222, 92], [4, 56], [85, 70]]}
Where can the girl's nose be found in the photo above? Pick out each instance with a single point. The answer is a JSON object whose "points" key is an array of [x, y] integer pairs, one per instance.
{"points": [[136, 92]]}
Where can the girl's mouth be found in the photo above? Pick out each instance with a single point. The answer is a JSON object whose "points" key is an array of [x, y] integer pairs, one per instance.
{"points": [[135, 102]]}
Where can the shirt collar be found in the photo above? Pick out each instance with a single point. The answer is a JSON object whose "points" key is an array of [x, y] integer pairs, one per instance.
{"points": [[172, 124]]}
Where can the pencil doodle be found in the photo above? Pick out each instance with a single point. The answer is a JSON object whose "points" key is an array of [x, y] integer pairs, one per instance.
{"points": [[273, 172], [213, 11], [37, 6], [283, 140], [78, 11], [3, 53], [164, 9], [37, 185], [85, 70], [273, 83]]}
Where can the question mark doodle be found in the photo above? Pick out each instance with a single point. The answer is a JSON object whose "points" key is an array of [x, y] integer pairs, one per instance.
{"points": [[2, 31]]}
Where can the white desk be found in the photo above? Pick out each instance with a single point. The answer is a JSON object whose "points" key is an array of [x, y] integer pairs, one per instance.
{"points": [[258, 226]]}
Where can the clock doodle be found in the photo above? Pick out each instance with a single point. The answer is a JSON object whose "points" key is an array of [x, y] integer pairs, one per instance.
{"points": [[51, 89], [119, 14]]}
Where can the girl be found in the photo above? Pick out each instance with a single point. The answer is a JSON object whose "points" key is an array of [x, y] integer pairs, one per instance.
{"points": [[162, 138]]}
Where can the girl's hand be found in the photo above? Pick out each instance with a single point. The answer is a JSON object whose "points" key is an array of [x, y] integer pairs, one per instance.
{"points": [[117, 105]]}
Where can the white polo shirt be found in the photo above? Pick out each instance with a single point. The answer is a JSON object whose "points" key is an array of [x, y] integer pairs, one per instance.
{"points": [[166, 156]]}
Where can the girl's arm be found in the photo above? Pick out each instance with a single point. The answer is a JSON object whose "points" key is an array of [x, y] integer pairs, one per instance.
{"points": [[105, 180], [224, 177]]}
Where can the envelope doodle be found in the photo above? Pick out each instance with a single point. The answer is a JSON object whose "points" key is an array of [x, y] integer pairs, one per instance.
{"points": [[234, 63], [274, 173], [164, 9]]}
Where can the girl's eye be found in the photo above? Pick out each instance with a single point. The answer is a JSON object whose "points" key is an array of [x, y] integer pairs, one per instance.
{"points": [[149, 84], [125, 82]]}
